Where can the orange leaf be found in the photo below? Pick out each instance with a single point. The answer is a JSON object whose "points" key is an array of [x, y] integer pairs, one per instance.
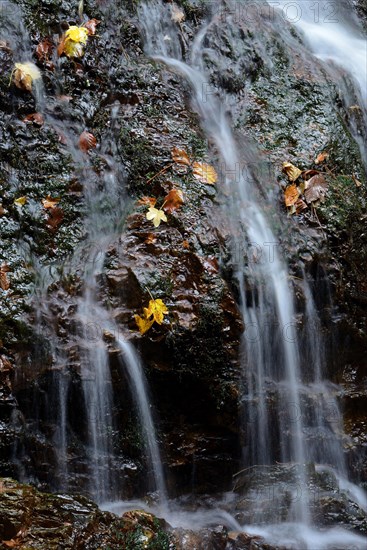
{"points": [[91, 26], [36, 118], [4, 281], [291, 195], [48, 202], [61, 46], [87, 141], [151, 238], [204, 173], [321, 157], [55, 217], [173, 200], [180, 156], [147, 201], [300, 205]]}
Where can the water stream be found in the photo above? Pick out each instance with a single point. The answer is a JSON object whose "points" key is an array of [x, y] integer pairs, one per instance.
{"points": [[275, 377], [290, 411]]}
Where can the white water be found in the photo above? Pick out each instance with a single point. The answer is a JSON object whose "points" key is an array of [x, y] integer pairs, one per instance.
{"points": [[271, 359], [270, 297], [131, 362], [334, 35]]}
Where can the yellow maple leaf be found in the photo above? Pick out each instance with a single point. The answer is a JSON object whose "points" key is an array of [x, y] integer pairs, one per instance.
{"points": [[73, 41], [20, 201], [77, 34], [204, 173], [143, 323], [155, 215], [157, 309]]}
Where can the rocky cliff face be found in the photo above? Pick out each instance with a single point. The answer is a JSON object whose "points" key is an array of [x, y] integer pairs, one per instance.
{"points": [[287, 105]]}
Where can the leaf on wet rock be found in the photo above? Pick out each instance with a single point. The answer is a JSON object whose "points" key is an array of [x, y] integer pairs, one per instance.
{"points": [[173, 200], [44, 51], [321, 157], [157, 309], [20, 201], [73, 41], [315, 188], [87, 141], [2, 210], [155, 312], [177, 14], [48, 202], [143, 324], [291, 195], [356, 181], [4, 281], [156, 216], [180, 156], [24, 74], [91, 26], [291, 171], [147, 201], [300, 205], [204, 173], [35, 118], [150, 238], [77, 34], [55, 217]]}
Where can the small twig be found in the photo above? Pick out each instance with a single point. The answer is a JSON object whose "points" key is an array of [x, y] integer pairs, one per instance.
{"points": [[160, 172]]}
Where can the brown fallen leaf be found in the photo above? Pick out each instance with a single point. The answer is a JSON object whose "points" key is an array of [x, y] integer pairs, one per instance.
{"points": [[291, 195], [24, 74], [48, 202], [87, 141], [204, 173], [2, 210], [321, 157], [173, 200], [4, 281], [151, 238], [315, 188], [91, 26], [300, 205], [180, 156], [291, 171], [44, 51], [55, 217], [147, 201], [357, 182], [35, 118], [186, 244]]}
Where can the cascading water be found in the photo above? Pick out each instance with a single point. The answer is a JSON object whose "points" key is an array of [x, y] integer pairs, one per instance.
{"points": [[88, 320], [279, 394], [333, 34], [289, 409]]}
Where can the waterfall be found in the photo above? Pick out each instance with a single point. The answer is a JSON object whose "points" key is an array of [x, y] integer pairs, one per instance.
{"points": [[334, 36], [284, 405], [85, 356]]}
